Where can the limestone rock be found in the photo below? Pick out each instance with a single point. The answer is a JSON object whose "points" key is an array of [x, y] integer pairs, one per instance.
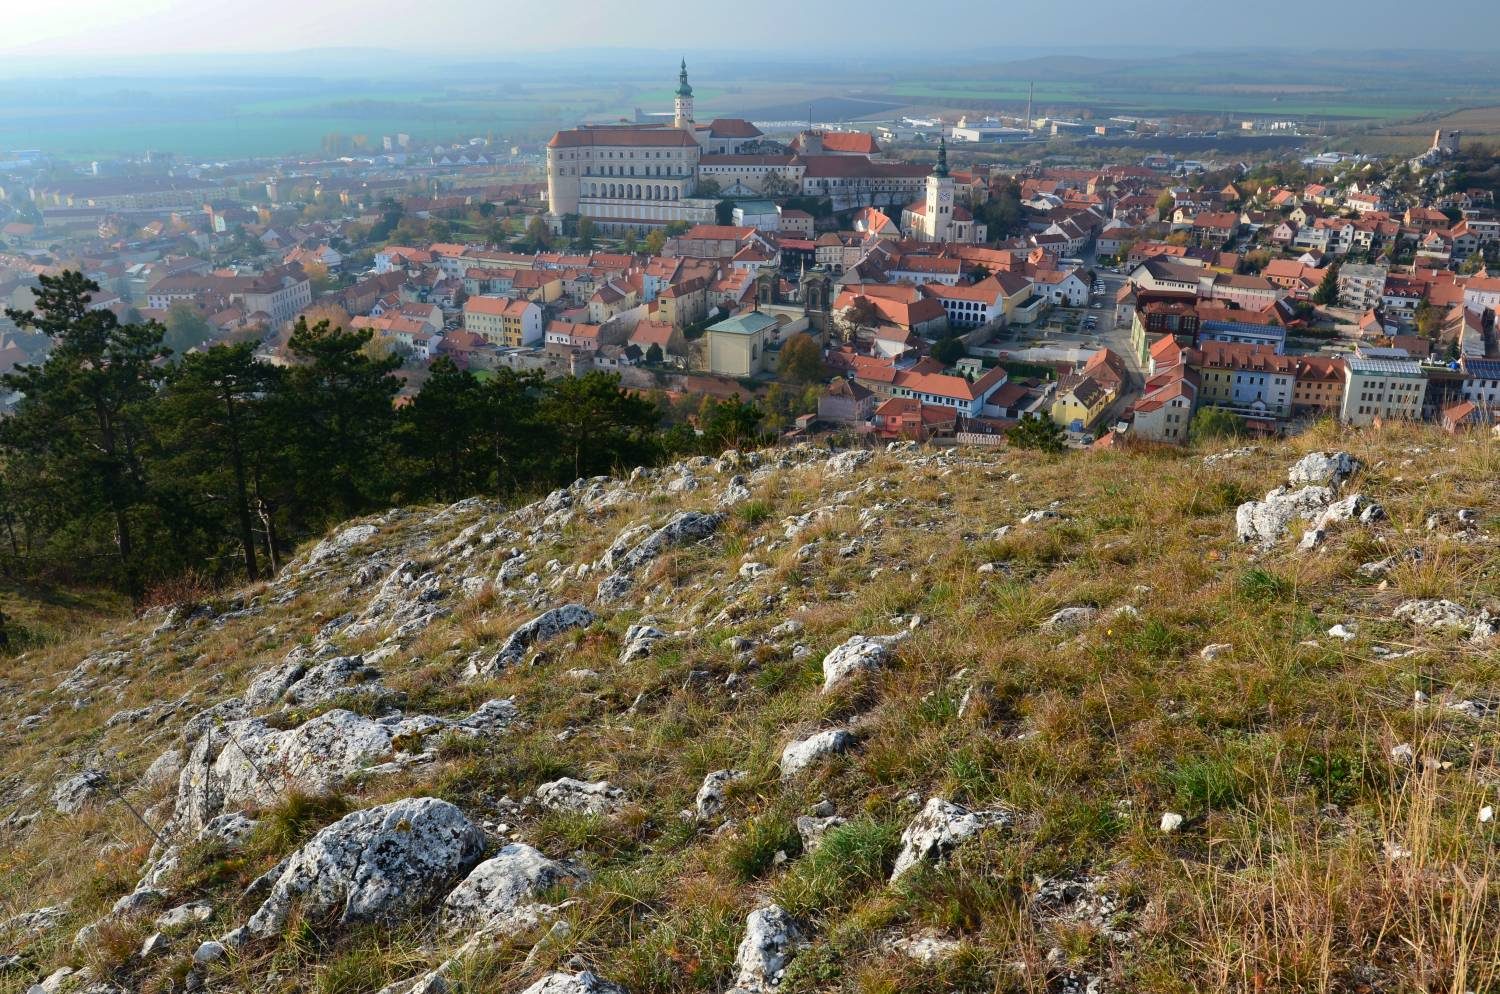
{"points": [[579, 797], [373, 864], [498, 889], [164, 769], [1069, 619], [1486, 629], [860, 654], [192, 913], [303, 685], [545, 626], [939, 829], [342, 542], [1322, 469], [927, 947], [74, 793], [846, 463], [681, 529], [799, 755], [710, 799], [639, 641], [574, 983], [811, 829], [1265, 521], [209, 952], [771, 939], [1432, 613], [250, 762]]}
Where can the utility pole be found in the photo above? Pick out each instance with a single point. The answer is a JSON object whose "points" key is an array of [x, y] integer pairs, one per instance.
{"points": [[1030, 96]]}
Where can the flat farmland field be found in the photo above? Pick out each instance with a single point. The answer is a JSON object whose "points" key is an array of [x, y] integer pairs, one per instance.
{"points": [[239, 115]]}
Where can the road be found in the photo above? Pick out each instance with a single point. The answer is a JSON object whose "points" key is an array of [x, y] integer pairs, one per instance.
{"points": [[1060, 331]]}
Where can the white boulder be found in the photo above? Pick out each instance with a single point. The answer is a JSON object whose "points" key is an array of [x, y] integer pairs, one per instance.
{"points": [[710, 799], [503, 888], [939, 829], [1322, 469], [545, 626], [574, 983], [771, 939], [860, 654], [372, 864], [801, 754], [579, 797]]}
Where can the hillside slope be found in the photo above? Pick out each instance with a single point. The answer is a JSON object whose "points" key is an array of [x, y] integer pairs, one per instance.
{"points": [[914, 720]]}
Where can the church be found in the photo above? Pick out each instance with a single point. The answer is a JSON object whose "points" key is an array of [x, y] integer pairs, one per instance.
{"points": [[937, 217], [640, 175]]}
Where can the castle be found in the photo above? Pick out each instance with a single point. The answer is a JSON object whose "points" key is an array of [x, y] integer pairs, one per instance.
{"points": [[643, 175], [640, 175]]}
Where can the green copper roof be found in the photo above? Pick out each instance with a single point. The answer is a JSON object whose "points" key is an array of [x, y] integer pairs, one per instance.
{"points": [[683, 90], [941, 169], [744, 324]]}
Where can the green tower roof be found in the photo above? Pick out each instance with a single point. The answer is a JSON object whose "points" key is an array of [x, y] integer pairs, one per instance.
{"points": [[941, 169], [683, 90]]}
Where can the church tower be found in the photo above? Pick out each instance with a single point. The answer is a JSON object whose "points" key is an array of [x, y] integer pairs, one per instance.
{"points": [[682, 107], [938, 220]]}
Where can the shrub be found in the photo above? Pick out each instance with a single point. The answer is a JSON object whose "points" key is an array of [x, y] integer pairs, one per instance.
{"points": [[849, 860], [752, 851], [1262, 585], [297, 817]]}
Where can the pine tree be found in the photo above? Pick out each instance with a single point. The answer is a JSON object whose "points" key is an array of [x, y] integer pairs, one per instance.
{"points": [[334, 418], [213, 427], [79, 434]]}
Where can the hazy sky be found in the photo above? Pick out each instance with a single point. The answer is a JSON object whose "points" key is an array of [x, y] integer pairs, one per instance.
{"points": [[504, 28]]}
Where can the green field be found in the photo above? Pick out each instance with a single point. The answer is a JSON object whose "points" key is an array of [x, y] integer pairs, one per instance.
{"points": [[239, 116]]}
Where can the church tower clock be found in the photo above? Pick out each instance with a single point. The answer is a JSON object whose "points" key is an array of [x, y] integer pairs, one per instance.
{"points": [[938, 224], [682, 107]]}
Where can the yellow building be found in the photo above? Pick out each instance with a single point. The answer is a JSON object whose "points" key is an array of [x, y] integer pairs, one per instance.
{"points": [[1084, 401], [737, 346]]}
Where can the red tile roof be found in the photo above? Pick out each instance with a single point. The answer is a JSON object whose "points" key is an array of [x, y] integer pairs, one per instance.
{"points": [[612, 136]]}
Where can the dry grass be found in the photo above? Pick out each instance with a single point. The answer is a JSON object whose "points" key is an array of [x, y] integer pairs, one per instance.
{"points": [[1277, 753]]}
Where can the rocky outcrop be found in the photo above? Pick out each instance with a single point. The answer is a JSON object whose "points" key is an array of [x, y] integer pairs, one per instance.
{"points": [[574, 983], [503, 888], [860, 654], [681, 529], [544, 627], [771, 939], [579, 797], [938, 830], [1317, 477], [803, 753], [304, 684], [252, 762], [1266, 521], [397, 858], [341, 542]]}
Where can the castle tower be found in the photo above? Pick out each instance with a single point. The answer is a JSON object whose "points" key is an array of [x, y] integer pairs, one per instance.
{"points": [[939, 201], [682, 107]]}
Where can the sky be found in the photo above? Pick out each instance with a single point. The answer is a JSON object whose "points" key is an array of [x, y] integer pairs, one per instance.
{"points": [[507, 28]]}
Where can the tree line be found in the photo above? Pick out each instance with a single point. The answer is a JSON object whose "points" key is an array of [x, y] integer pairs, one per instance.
{"points": [[127, 465]]}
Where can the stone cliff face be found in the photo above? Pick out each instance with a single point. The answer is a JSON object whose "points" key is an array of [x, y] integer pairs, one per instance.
{"points": [[795, 702]]}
